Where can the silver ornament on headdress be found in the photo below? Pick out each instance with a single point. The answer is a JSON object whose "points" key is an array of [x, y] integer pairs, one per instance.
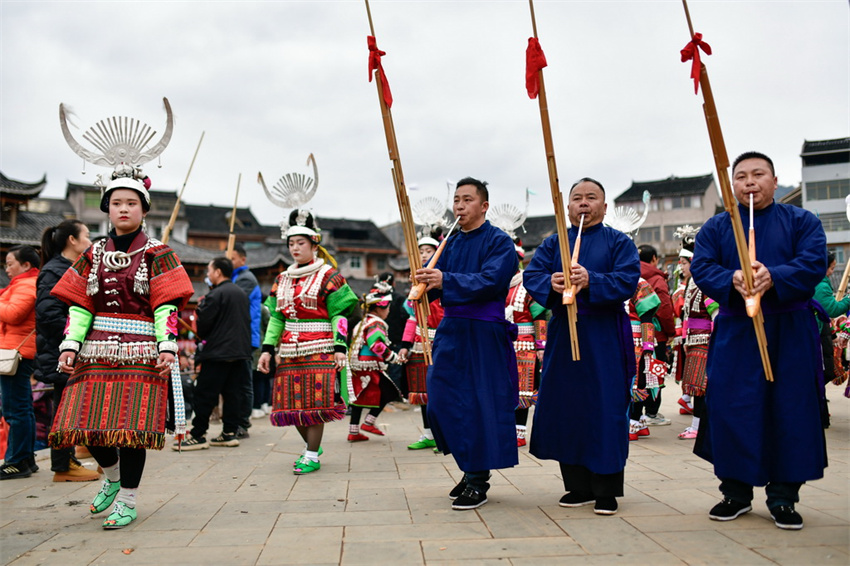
{"points": [[686, 233], [626, 219], [508, 217], [431, 214], [120, 143], [293, 190], [119, 140]]}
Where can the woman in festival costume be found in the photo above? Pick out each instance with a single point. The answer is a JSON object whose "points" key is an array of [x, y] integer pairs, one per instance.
{"points": [[698, 312], [530, 319], [642, 307], [120, 347], [17, 331], [368, 384], [308, 329], [61, 245], [416, 369]]}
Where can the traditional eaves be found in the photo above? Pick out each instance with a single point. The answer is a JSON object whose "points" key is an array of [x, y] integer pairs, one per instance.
{"points": [[355, 236], [671, 186], [215, 220], [29, 227], [20, 188], [825, 146]]}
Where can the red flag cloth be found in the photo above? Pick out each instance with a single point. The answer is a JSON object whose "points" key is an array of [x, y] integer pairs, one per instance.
{"points": [[375, 55], [534, 61], [691, 51]]}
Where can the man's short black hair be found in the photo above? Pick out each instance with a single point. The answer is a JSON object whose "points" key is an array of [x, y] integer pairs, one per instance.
{"points": [[646, 253], [240, 250], [588, 180], [480, 187], [753, 155], [224, 265]]}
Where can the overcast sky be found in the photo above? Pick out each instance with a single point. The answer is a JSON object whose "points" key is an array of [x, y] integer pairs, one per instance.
{"points": [[272, 81]]}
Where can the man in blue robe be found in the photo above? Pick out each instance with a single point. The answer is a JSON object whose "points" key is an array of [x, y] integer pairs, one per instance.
{"points": [[581, 419], [472, 384], [757, 432]]}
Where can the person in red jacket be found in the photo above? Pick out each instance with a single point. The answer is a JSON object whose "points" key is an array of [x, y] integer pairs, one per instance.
{"points": [[665, 324], [17, 331]]}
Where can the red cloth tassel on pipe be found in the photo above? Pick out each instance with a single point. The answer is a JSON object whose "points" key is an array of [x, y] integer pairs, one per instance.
{"points": [[691, 52], [534, 61], [375, 55]]}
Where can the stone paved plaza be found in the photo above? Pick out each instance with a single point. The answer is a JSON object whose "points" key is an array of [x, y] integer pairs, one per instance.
{"points": [[376, 502]]}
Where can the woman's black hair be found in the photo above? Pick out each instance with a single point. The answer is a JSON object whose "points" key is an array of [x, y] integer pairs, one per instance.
{"points": [[26, 254], [55, 238]]}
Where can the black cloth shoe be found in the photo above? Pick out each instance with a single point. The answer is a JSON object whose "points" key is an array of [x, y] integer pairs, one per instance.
{"points": [[576, 499], [241, 433], [728, 510], [458, 489], [785, 517], [605, 506], [15, 470], [470, 499], [31, 463]]}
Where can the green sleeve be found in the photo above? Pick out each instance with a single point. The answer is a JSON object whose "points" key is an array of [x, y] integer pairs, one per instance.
{"points": [[79, 322], [826, 298], [165, 326], [274, 330], [341, 303], [536, 310]]}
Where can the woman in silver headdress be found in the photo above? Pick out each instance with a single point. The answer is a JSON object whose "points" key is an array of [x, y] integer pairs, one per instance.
{"points": [[310, 302]]}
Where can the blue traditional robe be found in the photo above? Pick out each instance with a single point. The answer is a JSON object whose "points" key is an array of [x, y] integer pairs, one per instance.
{"points": [[472, 384], [755, 431], [581, 417]]}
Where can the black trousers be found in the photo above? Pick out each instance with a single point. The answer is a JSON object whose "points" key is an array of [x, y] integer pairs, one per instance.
{"points": [[246, 403], [225, 378], [582, 480], [60, 458], [132, 462], [778, 493]]}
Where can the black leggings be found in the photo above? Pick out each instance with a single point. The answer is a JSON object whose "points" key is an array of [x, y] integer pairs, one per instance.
{"points": [[522, 416], [357, 411], [132, 462], [425, 422]]}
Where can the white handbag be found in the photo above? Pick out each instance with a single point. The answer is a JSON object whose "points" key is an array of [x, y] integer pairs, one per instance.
{"points": [[10, 358]]}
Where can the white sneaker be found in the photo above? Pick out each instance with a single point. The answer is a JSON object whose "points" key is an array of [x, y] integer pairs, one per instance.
{"points": [[266, 409], [258, 414], [657, 420]]}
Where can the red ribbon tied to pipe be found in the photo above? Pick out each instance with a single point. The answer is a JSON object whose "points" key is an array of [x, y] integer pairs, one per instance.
{"points": [[534, 61], [375, 55], [691, 51]]}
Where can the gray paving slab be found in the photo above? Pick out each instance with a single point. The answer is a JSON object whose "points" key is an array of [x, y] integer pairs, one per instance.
{"points": [[378, 503]]}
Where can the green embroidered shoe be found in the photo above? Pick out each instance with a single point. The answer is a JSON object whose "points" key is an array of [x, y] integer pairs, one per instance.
{"points": [[305, 466], [422, 443], [298, 461], [105, 497], [120, 517]]}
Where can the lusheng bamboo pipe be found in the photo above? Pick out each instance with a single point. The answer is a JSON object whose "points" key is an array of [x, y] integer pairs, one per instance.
{"points": [[420, 307], [753, 302], [419, 288], [570, 294], [721, 163], [231, 238], [557, 200], [166, 234]]}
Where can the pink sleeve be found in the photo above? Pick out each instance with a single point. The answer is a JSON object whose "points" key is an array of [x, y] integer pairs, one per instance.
{"points": [[409, 330]]}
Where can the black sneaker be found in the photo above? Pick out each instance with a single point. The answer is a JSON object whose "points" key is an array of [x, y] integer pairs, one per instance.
{"points": [[470, 499], [31, 463], [728, 509], [576, 499], [15, 470], [458, 489], [241, 433], [605, 506], [785, 517], [190, 443], [224, 439]]}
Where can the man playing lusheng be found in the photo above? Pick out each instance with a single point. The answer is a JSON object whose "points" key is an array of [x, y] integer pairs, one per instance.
{"points": [[581, 419], [757, 432], [472, 385]]}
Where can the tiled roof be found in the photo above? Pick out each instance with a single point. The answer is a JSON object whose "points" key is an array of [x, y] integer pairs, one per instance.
{"points": [[192, 254], [671, 186], [53, 206], [29, 228], [822, 146], [212, 219], [348, 235], [13, 187]]}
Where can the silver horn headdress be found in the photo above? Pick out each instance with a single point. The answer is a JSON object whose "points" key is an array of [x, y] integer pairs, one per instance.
{"points": [[294, 190], [509, 217], [120, 143], [431, 214], [626, 219]]}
